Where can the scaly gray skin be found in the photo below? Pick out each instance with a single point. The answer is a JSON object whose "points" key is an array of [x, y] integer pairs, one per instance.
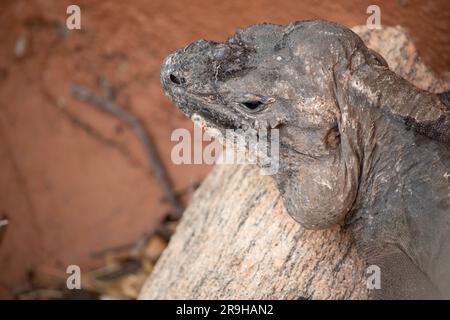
{"points": [[360, 146]]}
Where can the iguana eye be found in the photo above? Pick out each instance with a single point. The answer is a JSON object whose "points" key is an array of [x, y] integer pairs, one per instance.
{"points": [[253, 102], [252, 105]]}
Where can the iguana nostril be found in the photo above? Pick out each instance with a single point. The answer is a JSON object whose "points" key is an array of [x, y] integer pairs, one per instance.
{"points": [[176, 79]]}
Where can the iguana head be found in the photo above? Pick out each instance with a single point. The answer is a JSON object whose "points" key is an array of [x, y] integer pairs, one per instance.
{"points": [[265, 72], [292, 79]]}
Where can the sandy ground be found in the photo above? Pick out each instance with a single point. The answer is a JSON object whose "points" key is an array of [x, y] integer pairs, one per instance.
{"points": [[74, 180]]}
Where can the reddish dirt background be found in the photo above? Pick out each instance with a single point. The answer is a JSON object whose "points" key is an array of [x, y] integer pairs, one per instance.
{"points": [[74, 180]]}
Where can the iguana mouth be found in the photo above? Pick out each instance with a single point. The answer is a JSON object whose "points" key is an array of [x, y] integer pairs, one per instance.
{"points": [[214, 114], [218, 120]]}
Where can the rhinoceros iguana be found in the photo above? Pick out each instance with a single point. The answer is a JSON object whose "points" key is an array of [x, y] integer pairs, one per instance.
{"points": [[359, 145]]}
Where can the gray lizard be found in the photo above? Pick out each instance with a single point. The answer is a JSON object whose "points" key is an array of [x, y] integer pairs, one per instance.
{"points": [[359, 145]]}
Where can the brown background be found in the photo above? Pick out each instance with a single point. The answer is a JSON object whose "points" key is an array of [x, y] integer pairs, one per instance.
{"points": [[75, 181]]}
